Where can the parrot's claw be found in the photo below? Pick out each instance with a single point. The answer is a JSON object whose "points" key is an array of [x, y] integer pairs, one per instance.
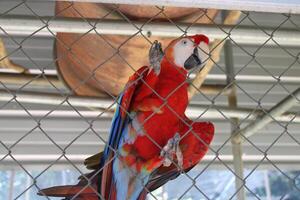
{"points": [[170, 150], [155, 56]]}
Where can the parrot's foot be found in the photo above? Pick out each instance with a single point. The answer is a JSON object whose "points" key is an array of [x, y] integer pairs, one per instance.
{"points": [[170, 150], [155, 56]]}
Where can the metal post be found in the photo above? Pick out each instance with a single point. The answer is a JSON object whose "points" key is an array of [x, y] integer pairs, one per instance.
{"points": [[235, 141], [267, 185], [27, 185], [271, 115], [11, 184]]}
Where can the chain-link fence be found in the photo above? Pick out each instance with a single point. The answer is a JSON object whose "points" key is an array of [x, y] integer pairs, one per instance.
{"points": [[64, 66]]}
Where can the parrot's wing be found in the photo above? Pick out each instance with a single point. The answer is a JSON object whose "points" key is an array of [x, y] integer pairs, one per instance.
{"points": [[83, 190], [194, 145], [119, 122], [122, 109]]}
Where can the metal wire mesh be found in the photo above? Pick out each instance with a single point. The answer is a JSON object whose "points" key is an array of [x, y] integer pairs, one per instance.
{"points": [[23, 96]]}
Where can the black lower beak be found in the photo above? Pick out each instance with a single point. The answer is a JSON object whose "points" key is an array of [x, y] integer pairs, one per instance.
{"points": [[193, 60]]}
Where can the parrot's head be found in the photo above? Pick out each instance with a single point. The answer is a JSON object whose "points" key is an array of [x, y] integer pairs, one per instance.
{"points": [[188, 52]]}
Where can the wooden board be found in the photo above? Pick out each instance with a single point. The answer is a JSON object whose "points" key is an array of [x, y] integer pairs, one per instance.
{"points": [[89, 63]]}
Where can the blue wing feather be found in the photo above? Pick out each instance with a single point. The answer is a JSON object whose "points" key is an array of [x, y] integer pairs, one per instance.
{"points": [[114, 135], [112, 177], [118, 121]]}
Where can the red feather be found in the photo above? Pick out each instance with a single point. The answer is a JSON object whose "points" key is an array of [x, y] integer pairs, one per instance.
{"points": [[195, 139], [200, 38], [169, 96]]}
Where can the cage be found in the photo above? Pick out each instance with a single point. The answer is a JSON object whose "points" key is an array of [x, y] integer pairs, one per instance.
{"points": [[64, 64]]}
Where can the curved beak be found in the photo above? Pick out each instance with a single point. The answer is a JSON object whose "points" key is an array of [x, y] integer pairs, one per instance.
{"points": [[193, 60]]}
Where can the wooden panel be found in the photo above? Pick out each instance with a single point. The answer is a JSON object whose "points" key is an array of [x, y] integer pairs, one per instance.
{"points": [[89, 64]]}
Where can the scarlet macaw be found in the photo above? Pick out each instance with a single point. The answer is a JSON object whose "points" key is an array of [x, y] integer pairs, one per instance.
{"points": [[151, 139]]}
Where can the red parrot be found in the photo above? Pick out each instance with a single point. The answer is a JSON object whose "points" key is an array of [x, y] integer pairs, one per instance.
{"points": [[151, 140]]}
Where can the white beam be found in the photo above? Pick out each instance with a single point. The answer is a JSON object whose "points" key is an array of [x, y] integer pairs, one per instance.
{"points": [[79, 158], [275, 6], [25, 26], [286, 80], [193, 112], [292, 80], [5, 113], [277, 110]]}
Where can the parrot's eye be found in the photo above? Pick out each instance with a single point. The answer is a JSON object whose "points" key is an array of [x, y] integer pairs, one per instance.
{"points": [[184, 42]]}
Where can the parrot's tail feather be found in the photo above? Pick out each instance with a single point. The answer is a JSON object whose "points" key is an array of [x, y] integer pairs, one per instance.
{"points": [[80, 192], [92, 162], [113, 195], [143, 195], [84, 198]]}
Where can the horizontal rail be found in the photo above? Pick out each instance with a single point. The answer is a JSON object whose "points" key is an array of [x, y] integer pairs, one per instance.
{"points": [[34, 80], [25, 26], [79, 158], [15, 78], [201, 112], [52, 81], [275, 6], [193, 111]]}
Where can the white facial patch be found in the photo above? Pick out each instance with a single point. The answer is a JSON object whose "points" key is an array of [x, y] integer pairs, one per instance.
{"points": [[182, 51], [203, 52]]}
